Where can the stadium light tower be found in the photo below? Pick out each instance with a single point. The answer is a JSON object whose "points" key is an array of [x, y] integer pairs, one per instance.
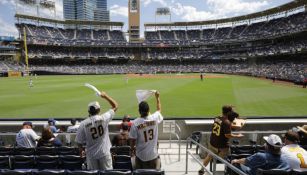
{"points": [[38, 4], [134, 20], [165, 11]]}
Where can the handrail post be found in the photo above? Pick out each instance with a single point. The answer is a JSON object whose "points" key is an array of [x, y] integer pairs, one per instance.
{"points": [[186, 156], [214, 166], [170, 135]]}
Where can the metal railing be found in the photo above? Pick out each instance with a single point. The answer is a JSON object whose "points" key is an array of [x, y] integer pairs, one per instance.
{"points": [[214, 158], [177, 134]]}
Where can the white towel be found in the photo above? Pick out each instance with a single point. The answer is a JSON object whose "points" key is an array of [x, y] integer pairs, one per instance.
{"points": [[143, 95]]}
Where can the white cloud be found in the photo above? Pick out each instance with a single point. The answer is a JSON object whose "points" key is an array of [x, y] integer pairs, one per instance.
{"points": [[119, 10], [6, 2], [161, 2], [235, 7], [217, 9], [7, 29], [190, 13]]}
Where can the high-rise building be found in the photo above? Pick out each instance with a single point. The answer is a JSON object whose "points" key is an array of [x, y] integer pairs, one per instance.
{"points": [[86, 10], [101, 12], [69, 9]]}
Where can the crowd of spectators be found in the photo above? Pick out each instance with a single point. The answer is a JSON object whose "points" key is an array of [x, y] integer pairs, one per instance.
{"points": [[265, 29], [47, 35]]}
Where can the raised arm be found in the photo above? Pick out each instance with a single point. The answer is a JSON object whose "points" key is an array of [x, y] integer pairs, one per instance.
{"points": [[112, 102], [157, 94]]}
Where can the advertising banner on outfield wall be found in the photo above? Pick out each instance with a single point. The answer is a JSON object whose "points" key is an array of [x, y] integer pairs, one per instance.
{"points": [[14, 74]]}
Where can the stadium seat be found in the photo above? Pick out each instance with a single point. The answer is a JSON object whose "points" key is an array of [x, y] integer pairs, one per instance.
{"points": [[121, 150], [273, 172], [15, 172], [71, 162], [83, 172], [48, 172], [298, 172], [22, 162], [115, 172], [47, 162], [24, 151], [122, 162], [148, 172], [260, 148], [242, 149], [196, 136], [6, 150], [66, 150], [46, 151], [4, 162]]}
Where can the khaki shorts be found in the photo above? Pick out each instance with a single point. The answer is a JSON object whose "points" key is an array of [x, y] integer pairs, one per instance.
{"points": [[222, 152], [151, 164]]}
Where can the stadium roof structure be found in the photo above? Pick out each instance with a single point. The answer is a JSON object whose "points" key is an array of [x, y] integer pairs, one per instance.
{"points": [[285, 7], [68, 22]]}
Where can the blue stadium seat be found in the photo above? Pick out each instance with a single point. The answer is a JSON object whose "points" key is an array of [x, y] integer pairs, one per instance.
{"points": [[196, 136], [47, 162], [83, 172], [242, 149], [273, 172], [6, 150], [4, 162], [22, 162], [24, 151], [46, 151], [116, 172], [15, 172], [66, 150], [122, 162], [121, 150], [71, 162], [148, 172], [48, 172]]}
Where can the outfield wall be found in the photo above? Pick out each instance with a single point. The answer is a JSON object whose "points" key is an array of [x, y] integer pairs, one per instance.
{"points": [[9, 128]]}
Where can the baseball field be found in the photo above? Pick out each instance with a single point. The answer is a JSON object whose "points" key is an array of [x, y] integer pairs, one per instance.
{"points": [[182, 96]]}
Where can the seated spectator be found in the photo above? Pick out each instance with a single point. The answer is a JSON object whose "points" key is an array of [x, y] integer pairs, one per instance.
{"points": [[271, 159], [127, 120], [302, 131], [26, 137], [51, 124], [293, 153], [48, 139], [74, 126], [122, 139]]}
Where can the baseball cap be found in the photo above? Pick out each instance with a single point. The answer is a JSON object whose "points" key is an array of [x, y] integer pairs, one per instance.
{"points": [[292, 136], [273, 140], [94, 104], [27, 123]]}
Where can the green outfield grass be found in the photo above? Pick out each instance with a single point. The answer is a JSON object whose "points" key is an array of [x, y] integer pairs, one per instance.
{"points": [[66, 96]]}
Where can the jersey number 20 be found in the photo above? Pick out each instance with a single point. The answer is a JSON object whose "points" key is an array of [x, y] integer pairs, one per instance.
{"points": [[150, 134], [97, 132]]}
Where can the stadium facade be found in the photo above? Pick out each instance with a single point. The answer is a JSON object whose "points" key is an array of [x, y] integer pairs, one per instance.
{"points": [[88, 10]]}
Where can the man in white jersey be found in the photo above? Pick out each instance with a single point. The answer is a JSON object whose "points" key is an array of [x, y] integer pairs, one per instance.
{"points": [[26, 137], [93, 132], [144, 136], [295, 155]]}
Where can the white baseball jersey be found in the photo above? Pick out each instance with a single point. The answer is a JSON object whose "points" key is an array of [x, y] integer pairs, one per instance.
{"points": [[26, 138], [145, 131], [73, 128], [296, 156], [94, 133]]}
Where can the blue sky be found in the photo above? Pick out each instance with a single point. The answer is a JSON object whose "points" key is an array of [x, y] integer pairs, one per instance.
{"points": [[182, 10]]}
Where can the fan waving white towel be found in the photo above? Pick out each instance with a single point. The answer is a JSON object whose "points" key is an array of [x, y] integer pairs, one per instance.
{"points": [[98, 93], [142, 95]]}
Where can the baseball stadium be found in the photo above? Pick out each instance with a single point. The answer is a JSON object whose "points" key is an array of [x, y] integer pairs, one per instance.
{"points": [[190, 71]]}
